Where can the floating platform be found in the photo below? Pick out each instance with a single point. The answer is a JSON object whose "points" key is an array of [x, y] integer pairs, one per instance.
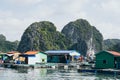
{"points": [[87, 70], [103, 71], [42, 65], [57, 65], [10, 65]]}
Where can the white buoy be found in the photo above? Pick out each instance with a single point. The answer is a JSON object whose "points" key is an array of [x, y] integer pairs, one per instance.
{"points": [[53, 67], [65, 66]]}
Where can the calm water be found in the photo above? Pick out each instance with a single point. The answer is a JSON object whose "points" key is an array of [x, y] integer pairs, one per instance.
{"points": [[51, 74]]}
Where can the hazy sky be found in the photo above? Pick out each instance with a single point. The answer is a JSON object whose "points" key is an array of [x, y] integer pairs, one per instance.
{"points": [[17, 15]]}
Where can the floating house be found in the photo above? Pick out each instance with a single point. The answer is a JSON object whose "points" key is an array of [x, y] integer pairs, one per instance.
{"points": [[33, 57], [61, 56], [107, 59], [11, 57], [14, 55]]}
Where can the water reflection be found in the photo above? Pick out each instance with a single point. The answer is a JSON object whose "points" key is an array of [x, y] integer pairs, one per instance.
{"points": [[51, 74], [107, 76], [23, 70]]}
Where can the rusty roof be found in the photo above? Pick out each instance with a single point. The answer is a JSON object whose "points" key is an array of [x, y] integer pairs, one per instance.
{"points": [[31, 52], [114, 53], [12, 52]]}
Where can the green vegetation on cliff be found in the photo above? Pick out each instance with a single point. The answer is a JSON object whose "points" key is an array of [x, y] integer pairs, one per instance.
{"points": [[42, 36]]}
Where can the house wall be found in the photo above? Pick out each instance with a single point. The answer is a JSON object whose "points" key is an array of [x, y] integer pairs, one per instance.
{"points": [[31, 60], [104, 60], [117, 62], [56, 59], [38, 58], [42, 57], [53, 59]]}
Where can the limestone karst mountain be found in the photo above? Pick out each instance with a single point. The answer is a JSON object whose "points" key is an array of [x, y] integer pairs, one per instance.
{"points": [[83, 36]]}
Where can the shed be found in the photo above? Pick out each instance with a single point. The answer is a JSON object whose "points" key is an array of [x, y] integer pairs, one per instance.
{"points": [[107, 59], [14, 55], [61, 56], [33, 57]]}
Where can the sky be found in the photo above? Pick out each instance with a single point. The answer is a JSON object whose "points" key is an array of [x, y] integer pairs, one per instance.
{"points": [[17, 15]]}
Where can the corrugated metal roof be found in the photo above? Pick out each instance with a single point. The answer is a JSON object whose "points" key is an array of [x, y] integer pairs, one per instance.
{"points": [[59, 51], [70, 52]]}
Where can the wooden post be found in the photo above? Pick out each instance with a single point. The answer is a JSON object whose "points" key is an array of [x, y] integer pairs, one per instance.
{"points": [[72, 58]]}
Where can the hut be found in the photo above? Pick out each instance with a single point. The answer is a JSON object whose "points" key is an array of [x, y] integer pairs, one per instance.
{"points": [[33, 57], [61, 56], [107, 59], [13, 56]]}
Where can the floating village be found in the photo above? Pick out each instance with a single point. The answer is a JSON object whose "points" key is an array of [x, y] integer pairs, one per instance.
{"points": [[105, 62]]}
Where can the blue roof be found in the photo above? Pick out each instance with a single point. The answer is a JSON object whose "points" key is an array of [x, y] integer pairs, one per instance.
{"points": [[69, 52]]}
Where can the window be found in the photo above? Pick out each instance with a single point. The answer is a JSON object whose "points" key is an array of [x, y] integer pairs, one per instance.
{"points": [[43, 60], [104, 61]]}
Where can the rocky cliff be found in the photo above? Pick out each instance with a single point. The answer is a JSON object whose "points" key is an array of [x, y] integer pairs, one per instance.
{"points": [[83, 36], [42, 36]]}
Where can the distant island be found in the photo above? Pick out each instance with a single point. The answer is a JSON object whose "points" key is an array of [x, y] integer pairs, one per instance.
{"points": [[6, 46]]}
